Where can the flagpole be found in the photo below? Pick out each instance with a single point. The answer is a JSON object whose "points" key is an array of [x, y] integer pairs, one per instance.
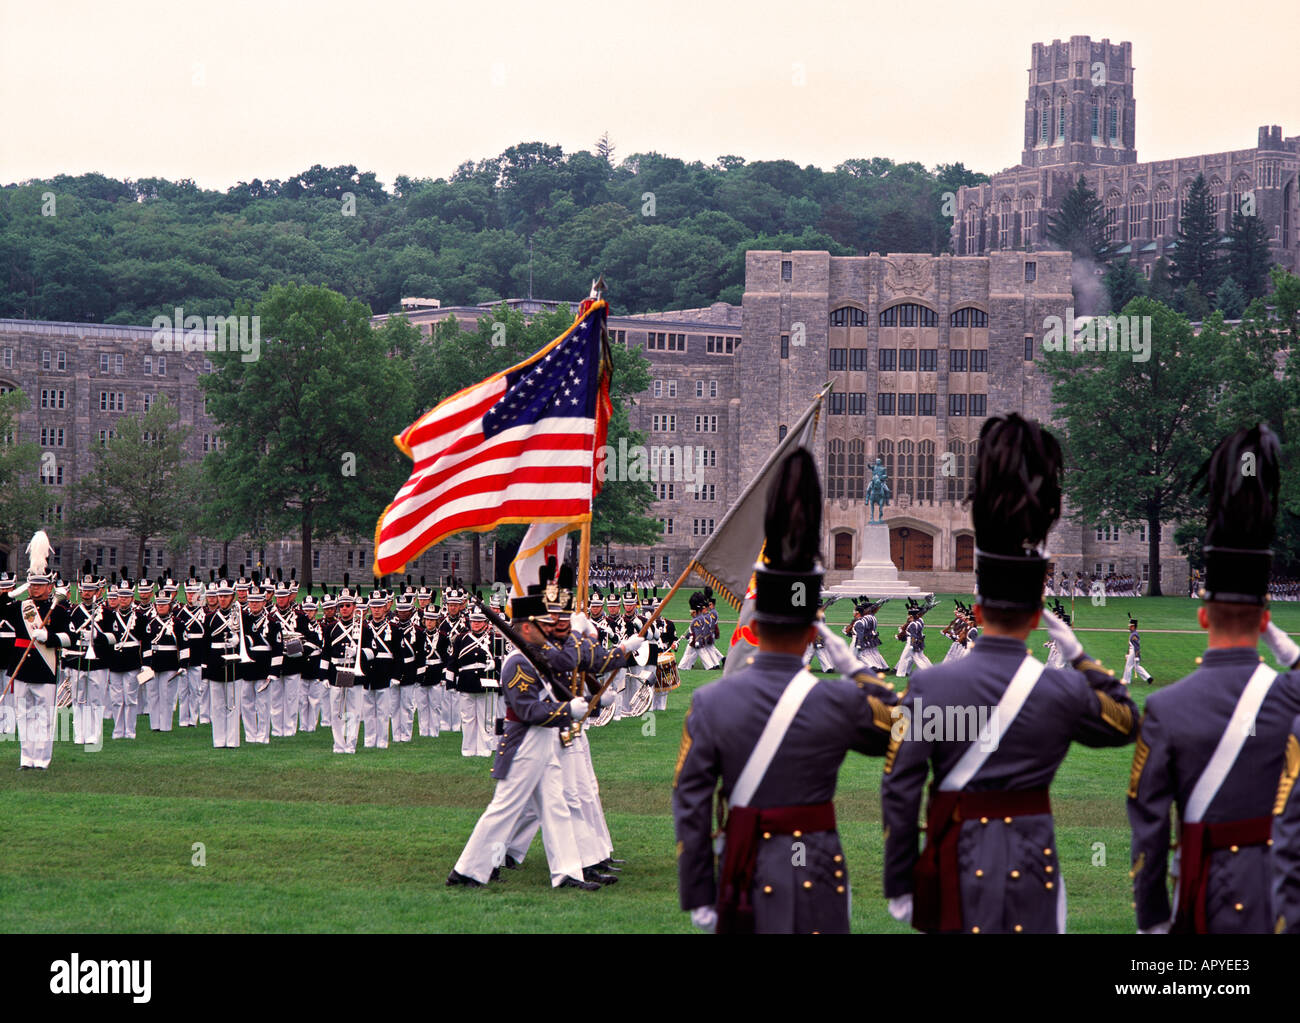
{"points": [[690, 567]]}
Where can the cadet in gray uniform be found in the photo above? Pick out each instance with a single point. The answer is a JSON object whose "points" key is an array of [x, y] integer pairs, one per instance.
{"points": [[1214, 742], [783, 869], [866, 637], [1286, 838], [1133, 660], [994, 727]]}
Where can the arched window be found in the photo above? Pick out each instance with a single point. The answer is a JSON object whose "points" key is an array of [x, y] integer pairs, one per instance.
{"points": [[1163, 204], [1217, 195], [1240, 189], [885, 452], [1137, 202], [968, 316], [908, 315], [857, 468], [925, 471], [1028, 218], [1044, 122], [1095, 118], [972, 230], [1006, 218], [1112, 120], [906, 463], [835, 469], [954, 471], [1113, 201], [1060, 119], [848, 316]]}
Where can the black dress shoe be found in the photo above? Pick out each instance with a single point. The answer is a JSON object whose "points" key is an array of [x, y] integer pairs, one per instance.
{"points": [[592, 874], [610, 861], [511, 862], [586, 886], [454, 879], [495, 875]]}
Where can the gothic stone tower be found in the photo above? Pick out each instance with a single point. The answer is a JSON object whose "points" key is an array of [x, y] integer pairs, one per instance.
{"points": [[1080, 108]]}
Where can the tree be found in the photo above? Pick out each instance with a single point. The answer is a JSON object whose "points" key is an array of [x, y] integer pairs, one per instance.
{"points": [[1231, 300], [1248, 254], [1123, 283], [1161, 287], [1079, 226], [308, 426], [140, 481], [24, 500], [605, 148], [1196, 255], [1137, 432]]}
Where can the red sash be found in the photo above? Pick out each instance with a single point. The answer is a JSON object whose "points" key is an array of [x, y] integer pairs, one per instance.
{"points": [[1196, 843], [936, 902], [740, 857]]}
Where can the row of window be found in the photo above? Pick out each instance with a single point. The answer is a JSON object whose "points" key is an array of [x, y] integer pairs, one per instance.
{"points": [[1111, 534], [668, 388], [891, 404], [701, 491], [926, 360], [910, 315], [699, 527]]}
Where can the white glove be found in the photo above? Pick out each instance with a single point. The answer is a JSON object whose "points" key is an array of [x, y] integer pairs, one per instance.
{"points": [[578, 708], [835, 650], [40, 635], [1063, 636], [581, 625], [630, 645], [1283, 647], [112, 640], [705, 918], [607, 697], [900, 908], [1157, 929]]}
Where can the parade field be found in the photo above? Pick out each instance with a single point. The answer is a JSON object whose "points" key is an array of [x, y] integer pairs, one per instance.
{"points": [[168, 834]]}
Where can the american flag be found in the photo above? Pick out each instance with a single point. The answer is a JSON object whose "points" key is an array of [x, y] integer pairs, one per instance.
{"points": [[518, 447]]}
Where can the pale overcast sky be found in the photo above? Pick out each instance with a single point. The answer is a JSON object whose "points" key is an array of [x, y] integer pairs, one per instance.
{"points": [[222, 92]]}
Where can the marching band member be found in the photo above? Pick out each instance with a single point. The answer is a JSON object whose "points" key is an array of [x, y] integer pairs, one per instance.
{"points": [[80, 662], [990, 863], [381, 669], [411, 669], [428, 696], [472, 655], [286, 691], [223, 625], [342, 652], [667, 642], [124, 626], [162, 648], [42, 629], [779, 790], [8, 716], [194, 653], [329, 615], [310, 690], [449, 631], [1214, 743], [263, 671]]}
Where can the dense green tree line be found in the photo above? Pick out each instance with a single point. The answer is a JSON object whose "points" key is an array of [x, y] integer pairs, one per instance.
{"points": [[664, 231]]}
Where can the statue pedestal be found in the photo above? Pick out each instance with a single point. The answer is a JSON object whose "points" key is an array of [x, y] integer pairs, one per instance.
{"points": [[875, 575]]}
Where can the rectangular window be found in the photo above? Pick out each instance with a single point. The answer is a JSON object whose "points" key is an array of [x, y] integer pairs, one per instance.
{"points": [[9, 358], [956, 404], [668, 526], [978, 404], [665, 564], [103, 362], [925, 404], [979, 360], [1031, 271], [349, 559], [857, 360], [315, 558], [907, 359], [857, 403], [148, 365], [929, 360], [112, 557], [839, 358], [713, 388], [1029, 348], [785, 346], [787, 269], [207, 365], [706, 424], [837, 404], [672, 388], [117, 364], [907, 404], [162, 365], [699, 388], [884, 404], [45, 360], [886, 359], [659, 388], [956, 361]]}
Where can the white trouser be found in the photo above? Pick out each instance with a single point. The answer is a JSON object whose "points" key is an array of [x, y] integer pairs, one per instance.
{"points": [[345, 717], [1131, 664], [706, 655], [427, 706], [326, 704], [450, 709], [474, 741], [586, 818], [189, 699], [661, 700], [374, 715], [225, 699], [589, 793], [123, 696], [255, 711], [8, 717], [870, 655], [88, 705], [35, 708], [404, 712], [165, 689], [905, 660], [205, 699], [536, 780], [310, 712], [284, 705]]}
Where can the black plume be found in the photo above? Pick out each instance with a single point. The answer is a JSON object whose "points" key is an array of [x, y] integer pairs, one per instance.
{"points": [[1017, 495], [565, 581], [1242, 508], [547, 572], [793, 523]]}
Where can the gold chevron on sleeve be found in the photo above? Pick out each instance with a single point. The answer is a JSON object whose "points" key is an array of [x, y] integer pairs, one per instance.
{"points": [[1115, 714], [1290, 771], [684, 749], [1140, 753]]}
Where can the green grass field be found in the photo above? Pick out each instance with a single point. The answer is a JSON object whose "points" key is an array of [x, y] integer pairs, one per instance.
{"points": [[295, 838]]}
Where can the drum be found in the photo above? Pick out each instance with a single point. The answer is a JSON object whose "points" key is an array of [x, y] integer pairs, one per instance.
{"points": [[666, 677]]}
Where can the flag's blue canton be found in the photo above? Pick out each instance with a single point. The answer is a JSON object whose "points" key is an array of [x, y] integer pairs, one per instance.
{"points": [[563, 383]]}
